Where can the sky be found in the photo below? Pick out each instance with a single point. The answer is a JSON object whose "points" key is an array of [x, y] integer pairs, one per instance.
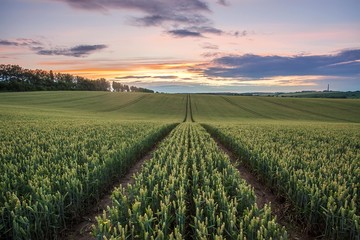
{"points": [[189, 45]]}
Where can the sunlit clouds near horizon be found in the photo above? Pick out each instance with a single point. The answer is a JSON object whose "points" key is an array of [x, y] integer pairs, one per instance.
{"points": [[189, 45]]}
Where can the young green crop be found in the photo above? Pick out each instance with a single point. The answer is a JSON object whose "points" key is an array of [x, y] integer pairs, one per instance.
{"points": [[317, 167], [188, 190], [58, 149], [51, 171], [222, 109], [92, 106]]}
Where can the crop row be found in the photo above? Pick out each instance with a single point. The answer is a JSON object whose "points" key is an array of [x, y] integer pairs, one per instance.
{"points": [[316, 167], [188, 190], [52, 171]]}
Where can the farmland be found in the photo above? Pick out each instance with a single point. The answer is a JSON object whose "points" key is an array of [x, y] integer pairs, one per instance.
{"points": [[93, 106], [60, 149], [316, 167], [188, 190]]}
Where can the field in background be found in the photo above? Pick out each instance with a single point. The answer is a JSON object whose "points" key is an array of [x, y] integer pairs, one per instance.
{"points": [[217, 108], [170, 107], [92, 105], [300, 144]]}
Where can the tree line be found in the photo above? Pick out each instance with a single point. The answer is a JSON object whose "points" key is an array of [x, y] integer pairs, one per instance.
{"points": [[15, 78], [119, 87]]}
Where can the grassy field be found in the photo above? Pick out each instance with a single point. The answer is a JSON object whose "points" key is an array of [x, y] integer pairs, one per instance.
{"points": [[307, 148], [171, 107], [92, 105], [330, 94], [215, 108]]}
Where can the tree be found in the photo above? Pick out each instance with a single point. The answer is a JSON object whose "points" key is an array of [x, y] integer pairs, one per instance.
{"points": [[15, 78]]}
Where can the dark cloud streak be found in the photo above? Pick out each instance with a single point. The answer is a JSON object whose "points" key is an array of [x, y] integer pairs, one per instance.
{"points": [[204, 29], [184, 33], [148, 6], [39, 48], [133, 77], [172, 19], [8, 43], [20, 42], [78, 51], [151, 7], [194, 31], [144, 77]]}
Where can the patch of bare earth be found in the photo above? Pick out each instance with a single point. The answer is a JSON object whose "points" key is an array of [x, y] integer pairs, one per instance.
{"points": [[82, 230], [264, 195]]}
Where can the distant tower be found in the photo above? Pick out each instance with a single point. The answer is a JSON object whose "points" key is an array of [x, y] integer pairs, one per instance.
{"points": [[328, 89]]}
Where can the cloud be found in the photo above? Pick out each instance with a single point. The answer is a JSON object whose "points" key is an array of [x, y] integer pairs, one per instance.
{"points": [[223, 2], [133, 77], [20, 42], [167, 77], [167, 20], [345, 63], [147, 6], [147, 77], [40, 49], [205, 29], [153, 20], [209, 46], [184, 33], [194, 31], [179, 18], [8, 43], [211, 54], [156, 11], [78, 51], [241, 34]]}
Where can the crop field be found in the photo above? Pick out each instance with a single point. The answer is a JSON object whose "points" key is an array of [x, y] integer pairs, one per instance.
{"points": [[188, 190], [51, 172], [60, 152], [316, 167], [92, 105]]}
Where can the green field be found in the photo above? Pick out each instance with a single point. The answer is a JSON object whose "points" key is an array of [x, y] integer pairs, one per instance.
{"points": [[60, 150], [215, 108], [92, 106]]}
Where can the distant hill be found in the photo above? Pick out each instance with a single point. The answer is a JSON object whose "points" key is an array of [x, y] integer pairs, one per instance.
{"points": [[303, 94], [325, 94]]}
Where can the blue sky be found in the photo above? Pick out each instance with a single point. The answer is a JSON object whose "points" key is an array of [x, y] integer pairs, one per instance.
{"points": [[189, 45]]}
